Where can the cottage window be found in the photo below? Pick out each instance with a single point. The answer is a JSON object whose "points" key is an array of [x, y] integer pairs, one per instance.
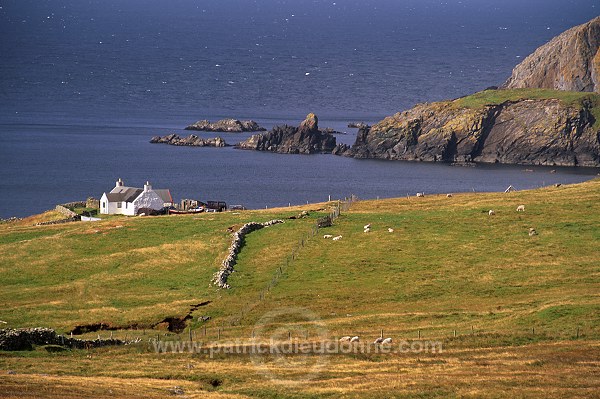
{"points": [[119, 205], [103, 205]]}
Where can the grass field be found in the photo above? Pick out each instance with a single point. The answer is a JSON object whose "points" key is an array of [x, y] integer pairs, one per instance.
{"points": [[517, 315], [495, 97]]}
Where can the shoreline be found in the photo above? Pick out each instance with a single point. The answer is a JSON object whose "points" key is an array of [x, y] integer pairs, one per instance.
{"points": [[301, 206]]}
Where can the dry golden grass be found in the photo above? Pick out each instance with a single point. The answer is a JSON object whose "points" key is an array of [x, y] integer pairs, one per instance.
{"points": [[551, 370]]}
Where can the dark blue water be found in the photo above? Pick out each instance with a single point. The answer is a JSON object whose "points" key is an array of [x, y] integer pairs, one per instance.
{"points": [[85, 84]]}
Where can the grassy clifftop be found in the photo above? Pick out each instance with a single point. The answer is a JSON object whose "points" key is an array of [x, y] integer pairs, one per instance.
{"points": [[495, 97], [517, 315], [569, 98]]}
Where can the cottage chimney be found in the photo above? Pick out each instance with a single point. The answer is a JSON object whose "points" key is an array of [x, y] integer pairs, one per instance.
{"points": [[147, 186], [119, 183]]}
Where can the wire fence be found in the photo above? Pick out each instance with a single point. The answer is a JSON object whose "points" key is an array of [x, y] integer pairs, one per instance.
{"points": [[522, 335], [288, 261]]}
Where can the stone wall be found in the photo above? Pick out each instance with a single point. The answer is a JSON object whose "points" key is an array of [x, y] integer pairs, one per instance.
{"points": [[24, 338], [92, 203], [76, 218], [65, 211], [220, 277]]}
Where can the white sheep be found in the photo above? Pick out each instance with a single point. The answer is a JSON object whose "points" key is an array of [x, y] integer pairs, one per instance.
{"points": [[327, 236], [386, 341], [367, 230], [345, 339], [491, 213], [378, 341], [355, 339], [390, 230], [337, 238], [532, 232], [521, 208], [420, 194], [367, 226], [448, 195]]}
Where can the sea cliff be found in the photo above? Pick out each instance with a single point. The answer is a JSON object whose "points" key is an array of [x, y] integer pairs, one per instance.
{"points": [[570, 61], [534, 127]]}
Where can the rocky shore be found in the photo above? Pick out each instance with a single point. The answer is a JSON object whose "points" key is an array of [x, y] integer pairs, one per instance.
{"points": [[304, 139], [192, 140], [529, 131], [226, 125]]}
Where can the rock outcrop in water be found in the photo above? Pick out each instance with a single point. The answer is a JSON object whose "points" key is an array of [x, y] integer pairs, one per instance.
{"points": [[570, 61], [226, 125], [544, 131], [192, 140], [305, 139]]}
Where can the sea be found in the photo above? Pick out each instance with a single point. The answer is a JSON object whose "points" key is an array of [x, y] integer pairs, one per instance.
{"points": [[85, 84]]}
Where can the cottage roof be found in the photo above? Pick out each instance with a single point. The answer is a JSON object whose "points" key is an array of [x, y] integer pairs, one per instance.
{"points": [[164, 194], [124, 194]]}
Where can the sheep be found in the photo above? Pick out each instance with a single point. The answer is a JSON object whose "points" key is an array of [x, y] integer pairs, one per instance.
{"points": [[521, 208], [345, 339], [355, 339], [532, 232], [491, 213], [448, 195], [390, 230], [378, 341], [367, 230], [367, 226], [337, 238], [386, 341], [420, 195], [327, 236]]}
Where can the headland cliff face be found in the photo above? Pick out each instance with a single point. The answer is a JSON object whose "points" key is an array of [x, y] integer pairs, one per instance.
{"points": [[527, 131], [570, 61]]}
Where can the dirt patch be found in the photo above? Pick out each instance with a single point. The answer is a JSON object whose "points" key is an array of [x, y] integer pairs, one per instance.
{"points": [[173, 323], [177, 324]]}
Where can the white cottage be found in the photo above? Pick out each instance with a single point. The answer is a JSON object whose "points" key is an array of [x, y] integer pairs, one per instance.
{"points": [[123, 200]]}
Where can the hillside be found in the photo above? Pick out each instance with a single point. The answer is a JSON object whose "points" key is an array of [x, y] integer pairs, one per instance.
{"points": [[505, 304], [521, 126], [570, 61]]}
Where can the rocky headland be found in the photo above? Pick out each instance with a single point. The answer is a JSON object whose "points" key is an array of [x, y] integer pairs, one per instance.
{"points": [[192, 141], [226, 125], [495, 126], [304, 139], [570, 61], [542, 115]]}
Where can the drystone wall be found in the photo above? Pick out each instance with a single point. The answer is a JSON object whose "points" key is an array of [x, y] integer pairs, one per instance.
{"points": [[220, 277]]}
